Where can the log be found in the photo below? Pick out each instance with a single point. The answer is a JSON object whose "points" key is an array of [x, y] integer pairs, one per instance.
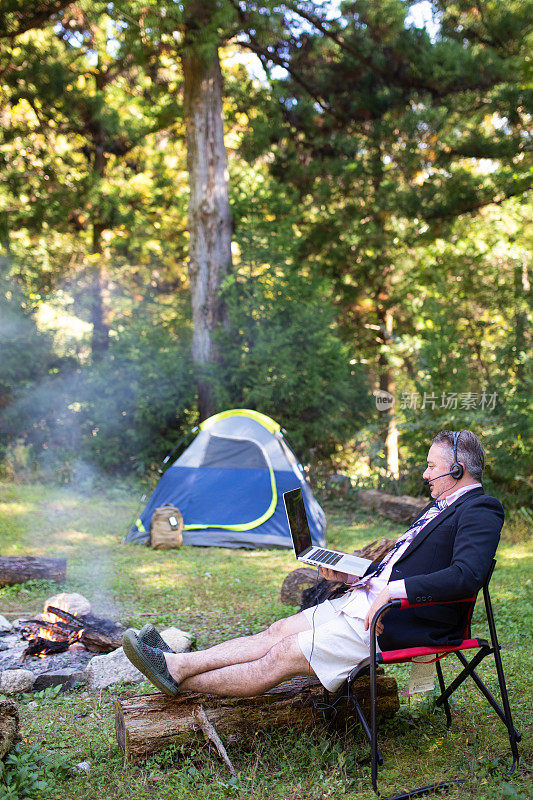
{"points": [[99, 642], [295, 583], [9, 727], [94, 639], [400, 508], [151, 722], [25, 568]]}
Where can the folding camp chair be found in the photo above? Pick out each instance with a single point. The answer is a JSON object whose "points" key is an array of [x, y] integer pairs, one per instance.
{"points": [[483, 648]]}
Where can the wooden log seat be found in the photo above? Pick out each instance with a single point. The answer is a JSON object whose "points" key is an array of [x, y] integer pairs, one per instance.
{"points": [[147, 723]]}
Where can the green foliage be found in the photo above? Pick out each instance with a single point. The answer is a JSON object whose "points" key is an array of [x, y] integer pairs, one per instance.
{"points": [[123, 413], [368, 189], [44, 694], [282, 356], [29, 591], [27, 772], [139, 400], [476, 344], [397, 142], [27, 353]]}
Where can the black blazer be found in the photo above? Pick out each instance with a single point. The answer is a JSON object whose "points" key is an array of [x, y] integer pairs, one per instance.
{"points": [[449, 559]]}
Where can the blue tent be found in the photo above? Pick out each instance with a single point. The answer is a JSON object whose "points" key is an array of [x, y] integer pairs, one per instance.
{"points": [[228, 485]]}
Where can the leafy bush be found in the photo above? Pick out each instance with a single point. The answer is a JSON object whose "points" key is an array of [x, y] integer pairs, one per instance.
{"points": [[28, 771], [122, 413], [26, 352], [282, 356]]}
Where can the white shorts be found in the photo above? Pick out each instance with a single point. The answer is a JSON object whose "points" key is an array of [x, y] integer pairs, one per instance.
{"points": [[335, 643]]}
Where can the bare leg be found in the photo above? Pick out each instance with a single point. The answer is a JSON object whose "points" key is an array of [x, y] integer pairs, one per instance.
{"points": [[283, 661], [235, 651]]}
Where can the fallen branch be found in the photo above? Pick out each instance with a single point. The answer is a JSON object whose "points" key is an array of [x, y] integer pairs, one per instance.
{"points": [[210, 733]]}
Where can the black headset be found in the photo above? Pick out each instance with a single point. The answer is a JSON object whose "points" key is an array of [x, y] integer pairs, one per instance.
{"points": [[456, 470]]}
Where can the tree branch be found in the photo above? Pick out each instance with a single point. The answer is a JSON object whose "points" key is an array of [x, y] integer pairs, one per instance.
{"points": [[408, 79], [467, 208]]}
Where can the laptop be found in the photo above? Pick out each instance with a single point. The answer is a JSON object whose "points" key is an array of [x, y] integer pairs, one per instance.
{"points": [[309, 553]]}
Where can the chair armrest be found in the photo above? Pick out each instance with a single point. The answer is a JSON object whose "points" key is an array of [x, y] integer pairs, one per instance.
{"points": [[379, 612], [404, 603]]}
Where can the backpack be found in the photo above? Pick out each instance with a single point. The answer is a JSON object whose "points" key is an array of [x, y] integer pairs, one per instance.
{"points": [[166, 527]]}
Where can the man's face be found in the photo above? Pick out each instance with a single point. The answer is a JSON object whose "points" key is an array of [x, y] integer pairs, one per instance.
{"points": [[439, 462]]}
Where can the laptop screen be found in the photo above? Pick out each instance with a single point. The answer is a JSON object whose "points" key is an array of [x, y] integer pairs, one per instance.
{"points": [[294, 506]]}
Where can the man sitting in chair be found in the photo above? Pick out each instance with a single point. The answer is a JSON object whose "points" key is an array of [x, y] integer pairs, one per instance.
{"points": [[444, 556]]}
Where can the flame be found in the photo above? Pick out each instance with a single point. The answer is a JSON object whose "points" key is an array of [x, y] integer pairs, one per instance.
{"points": [[78, 637], [45, 633], [52, 636]]}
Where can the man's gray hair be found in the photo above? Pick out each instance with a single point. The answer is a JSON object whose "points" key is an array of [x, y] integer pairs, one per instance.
{"points": [[469, 451]]}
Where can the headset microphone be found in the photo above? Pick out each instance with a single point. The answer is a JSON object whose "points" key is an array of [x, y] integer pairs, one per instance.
{"points": [[428, 482]]}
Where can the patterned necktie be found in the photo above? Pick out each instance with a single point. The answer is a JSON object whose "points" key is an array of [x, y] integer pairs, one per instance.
{"points": [[408, 536]]}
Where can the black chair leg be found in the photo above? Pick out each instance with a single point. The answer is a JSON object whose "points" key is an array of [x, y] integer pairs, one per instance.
{"points": [[374, 752], [488, 695], [329, 710], [421, 790], [365, 726], [511, 730], [514, 736], [442, 690]]}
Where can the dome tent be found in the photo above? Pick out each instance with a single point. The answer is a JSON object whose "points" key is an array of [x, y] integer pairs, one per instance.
{"points": [[228, 485]]}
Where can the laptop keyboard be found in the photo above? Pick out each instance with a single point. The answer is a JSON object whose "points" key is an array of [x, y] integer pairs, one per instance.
{"points": [[325, 556]]}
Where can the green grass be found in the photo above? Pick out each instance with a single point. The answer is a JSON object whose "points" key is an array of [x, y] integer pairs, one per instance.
{"points": [[215, 593]]}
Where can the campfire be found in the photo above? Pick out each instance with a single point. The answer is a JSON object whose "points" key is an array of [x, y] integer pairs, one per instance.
{"points": [[58, 629], [54, 632]]}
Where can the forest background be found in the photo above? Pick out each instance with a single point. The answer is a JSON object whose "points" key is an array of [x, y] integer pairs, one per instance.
{"points": [[303, 208]]}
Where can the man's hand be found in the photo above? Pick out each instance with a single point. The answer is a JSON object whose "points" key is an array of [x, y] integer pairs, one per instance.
{"points": [[333, 575], [382, 598]]}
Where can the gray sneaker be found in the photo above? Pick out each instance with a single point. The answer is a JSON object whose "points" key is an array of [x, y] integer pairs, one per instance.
{"points": [[151, 636], [150, 662]]}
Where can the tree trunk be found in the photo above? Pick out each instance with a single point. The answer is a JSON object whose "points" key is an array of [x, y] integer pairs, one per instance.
{"points": [[386, 383], [19, 569], [9, 727], [100, 336], [98, 289], [210, 220], [522, 329], [391, 438], [384, 267], [5, 242], [150, 722]]}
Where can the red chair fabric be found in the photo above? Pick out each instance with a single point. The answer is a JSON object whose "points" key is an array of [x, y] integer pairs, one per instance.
{"points": [[407, 654]]}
